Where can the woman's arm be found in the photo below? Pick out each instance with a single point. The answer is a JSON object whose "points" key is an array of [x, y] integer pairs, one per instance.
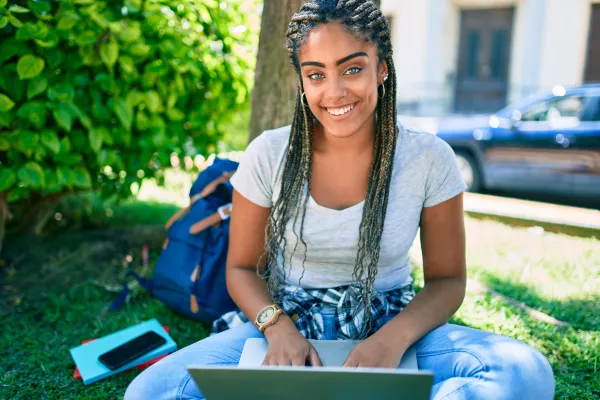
{"points": [[249, 291], [443, 247], [246, 245]]}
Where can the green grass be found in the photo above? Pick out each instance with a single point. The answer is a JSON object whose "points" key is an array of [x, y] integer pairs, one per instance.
{"points": [[57, 296]]}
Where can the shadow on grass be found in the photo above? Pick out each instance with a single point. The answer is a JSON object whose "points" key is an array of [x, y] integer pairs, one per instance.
{"points": [[54, 295], [580, 313], [100, 251], [573, 351]]}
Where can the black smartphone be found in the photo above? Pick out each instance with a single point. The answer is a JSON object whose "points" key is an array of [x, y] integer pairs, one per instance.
{"points": [[129, 351]]}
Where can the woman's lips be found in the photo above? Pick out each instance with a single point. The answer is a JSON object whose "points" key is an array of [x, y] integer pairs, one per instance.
{"points": [[343, 112]]}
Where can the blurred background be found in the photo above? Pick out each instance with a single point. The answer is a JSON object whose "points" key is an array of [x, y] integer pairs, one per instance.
{"points": [[461, 61], [110, 109], [477, 56]]}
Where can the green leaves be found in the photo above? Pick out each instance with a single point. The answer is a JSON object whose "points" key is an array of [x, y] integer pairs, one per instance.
{"points": [[34, 112], [135, 97], [95, 137], [85, 85], [153, 101], [86, 38], [67, 21], [32, 175], [64, 113], [61, 92], [139, 49], [18, 9], [4, 144], [175, 115], [65, 176], [30, 66], [50, 140], [106, 83], [26, 142], [6, 103], [10, 48], [124, 113], [36, 86], [40, 7], [109, 52], [82, 178], [130, 33], [7, 179]]}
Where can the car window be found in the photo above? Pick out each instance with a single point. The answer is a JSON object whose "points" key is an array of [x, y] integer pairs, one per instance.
{"points": [[559, 111], [595, 114]]}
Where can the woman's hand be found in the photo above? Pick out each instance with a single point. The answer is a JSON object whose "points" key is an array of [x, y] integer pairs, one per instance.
{"points": [[375, 352], [287, 346]]}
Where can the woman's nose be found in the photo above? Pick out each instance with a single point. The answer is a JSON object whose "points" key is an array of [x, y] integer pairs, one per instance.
{"points": [[336, 90]]}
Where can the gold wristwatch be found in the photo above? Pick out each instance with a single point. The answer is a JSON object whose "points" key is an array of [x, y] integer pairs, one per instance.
{"points": [[267, 317]]}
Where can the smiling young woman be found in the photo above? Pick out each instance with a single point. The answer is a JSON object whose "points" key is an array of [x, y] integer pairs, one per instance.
{"points": [[325, 212]]}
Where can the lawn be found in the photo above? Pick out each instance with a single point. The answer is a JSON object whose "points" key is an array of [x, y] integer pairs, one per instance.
{"points": [[57, 294]]}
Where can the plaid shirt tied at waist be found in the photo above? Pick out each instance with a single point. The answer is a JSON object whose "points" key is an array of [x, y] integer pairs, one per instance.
{"points": [[306, 304]]}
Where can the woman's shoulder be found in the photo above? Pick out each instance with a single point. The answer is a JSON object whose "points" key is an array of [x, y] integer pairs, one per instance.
{"points": [[274, 139], [267, 150], [269, 146]]}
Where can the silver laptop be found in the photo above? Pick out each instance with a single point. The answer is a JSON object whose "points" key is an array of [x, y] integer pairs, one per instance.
{"points": [[250, 380]]}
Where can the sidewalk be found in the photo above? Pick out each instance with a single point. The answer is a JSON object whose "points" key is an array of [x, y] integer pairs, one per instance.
{"points": [[556, 218]]}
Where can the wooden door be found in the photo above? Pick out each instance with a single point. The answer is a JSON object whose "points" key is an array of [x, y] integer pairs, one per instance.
{"points": [[483, 60], [592, 66]]}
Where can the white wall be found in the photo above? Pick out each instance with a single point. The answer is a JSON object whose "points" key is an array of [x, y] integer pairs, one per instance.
{"points": [[565, 42], [484, 3], [526, 48], [442, 56], [410, 43]]}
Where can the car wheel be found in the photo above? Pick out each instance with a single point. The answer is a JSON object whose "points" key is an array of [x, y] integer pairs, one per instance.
{"points": [[469, 170]]}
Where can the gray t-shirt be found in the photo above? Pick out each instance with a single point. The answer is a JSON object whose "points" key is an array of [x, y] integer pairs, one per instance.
{"points": [[425, 174]]}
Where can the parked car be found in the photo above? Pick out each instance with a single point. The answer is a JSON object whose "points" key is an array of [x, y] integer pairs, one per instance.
{"points": [[547, 144]]}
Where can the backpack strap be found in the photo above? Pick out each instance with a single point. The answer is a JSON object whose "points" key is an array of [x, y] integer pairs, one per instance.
{"points": [[145, 283], [223, 213], [208, 189], [176, 216]]}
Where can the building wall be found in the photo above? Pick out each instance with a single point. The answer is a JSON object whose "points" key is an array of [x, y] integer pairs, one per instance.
{"points": [[409, 39], [565, 42], [549, 44]]}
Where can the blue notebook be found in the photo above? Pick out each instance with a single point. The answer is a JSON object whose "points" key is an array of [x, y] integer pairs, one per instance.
{"points": [[86, 355]]}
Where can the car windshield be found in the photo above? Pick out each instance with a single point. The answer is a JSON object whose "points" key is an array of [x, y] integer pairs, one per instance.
{"points": [[522, 105]]}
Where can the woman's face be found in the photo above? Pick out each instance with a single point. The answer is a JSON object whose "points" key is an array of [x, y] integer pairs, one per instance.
{"points": [[340, 74]]}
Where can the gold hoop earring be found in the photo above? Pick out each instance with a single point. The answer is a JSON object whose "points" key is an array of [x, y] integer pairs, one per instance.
{"points": [[302, 98], [383, 95]]}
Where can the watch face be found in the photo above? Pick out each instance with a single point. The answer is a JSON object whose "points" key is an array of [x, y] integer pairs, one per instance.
{"points": [[265, 315]]}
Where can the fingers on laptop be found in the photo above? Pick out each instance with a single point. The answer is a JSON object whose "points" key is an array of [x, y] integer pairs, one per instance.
{"points": [[297, 360]]}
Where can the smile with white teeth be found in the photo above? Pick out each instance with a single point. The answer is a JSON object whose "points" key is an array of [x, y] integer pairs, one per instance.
{"points": [[340, 111]]}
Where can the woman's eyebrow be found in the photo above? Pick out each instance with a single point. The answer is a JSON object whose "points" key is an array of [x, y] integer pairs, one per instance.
{"points": [[338, 62]]}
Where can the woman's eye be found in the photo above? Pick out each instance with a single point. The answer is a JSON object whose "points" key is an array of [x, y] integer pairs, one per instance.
{"points": [[353, 71], [316, 76]]}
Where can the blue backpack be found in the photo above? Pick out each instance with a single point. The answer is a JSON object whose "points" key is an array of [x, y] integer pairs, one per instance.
{"points": [[190, 273]]}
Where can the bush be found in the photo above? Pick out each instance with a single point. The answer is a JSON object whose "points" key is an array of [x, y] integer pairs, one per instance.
{"points": [[97, 94]]}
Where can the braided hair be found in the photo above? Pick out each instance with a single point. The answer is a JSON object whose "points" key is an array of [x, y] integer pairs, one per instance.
{"points": [[363, 19]]}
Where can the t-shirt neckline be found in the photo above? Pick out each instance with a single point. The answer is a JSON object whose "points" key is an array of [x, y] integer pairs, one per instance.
{"points": [[313, 202]]}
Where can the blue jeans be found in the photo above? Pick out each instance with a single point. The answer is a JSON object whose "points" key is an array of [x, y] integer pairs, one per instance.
{"points": [[467, 363]]}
